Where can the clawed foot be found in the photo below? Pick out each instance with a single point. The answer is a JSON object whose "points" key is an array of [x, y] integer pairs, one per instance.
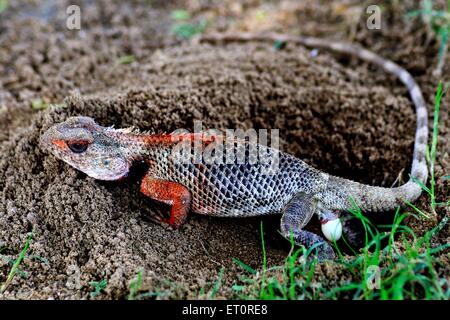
{"points": [[323, 251]]}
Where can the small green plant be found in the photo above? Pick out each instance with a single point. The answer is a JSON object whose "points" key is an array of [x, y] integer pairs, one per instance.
{"points": [[211, 293], [135, 286], [39, 104], [16, 264], [99, 286], [180, 15], [19, 272], [216, 286], [3, 5], [188, 30], [126, 59], [263, 292], [439, 22], [185, 29], [279, 44]]}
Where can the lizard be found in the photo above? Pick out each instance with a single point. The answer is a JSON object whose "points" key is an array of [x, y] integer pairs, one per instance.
{"points": [[295, 189]]}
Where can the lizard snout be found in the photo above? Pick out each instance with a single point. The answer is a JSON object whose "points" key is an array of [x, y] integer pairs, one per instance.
{"points": [[49, 140], [45, 139]]}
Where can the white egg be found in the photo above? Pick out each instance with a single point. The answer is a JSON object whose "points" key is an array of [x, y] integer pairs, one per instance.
{"points": [[332, 230]]}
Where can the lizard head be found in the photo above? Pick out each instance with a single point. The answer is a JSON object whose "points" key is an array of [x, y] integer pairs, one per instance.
{"points": [[85, 145]]}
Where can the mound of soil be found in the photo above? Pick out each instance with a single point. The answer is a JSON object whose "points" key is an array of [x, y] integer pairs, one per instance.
{"points": [[338, 119]]}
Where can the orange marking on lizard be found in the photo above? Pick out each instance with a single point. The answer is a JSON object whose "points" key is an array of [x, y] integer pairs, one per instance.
{"points": [[60, 144], [171, 139]]}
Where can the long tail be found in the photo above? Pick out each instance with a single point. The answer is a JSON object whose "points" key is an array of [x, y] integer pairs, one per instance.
{"points": [[367, 197]]}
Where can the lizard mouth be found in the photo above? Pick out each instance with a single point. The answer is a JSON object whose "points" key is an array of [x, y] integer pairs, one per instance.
{"points": [[326, 216]]}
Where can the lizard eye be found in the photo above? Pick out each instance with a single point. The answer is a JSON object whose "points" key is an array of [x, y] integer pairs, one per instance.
{"points": [[78, 146]]}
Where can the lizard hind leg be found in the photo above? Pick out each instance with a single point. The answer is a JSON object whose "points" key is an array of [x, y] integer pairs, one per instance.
{"points": [[296, 214]]}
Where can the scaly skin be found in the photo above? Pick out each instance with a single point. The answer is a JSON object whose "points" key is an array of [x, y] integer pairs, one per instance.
{"points": [[249, 186]]}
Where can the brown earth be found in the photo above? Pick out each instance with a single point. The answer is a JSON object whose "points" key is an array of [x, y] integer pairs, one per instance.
{"points": [[337, 114]]}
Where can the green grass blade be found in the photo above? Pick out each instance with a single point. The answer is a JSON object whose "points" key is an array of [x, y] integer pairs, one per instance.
{"points": [[135, 286], [264, 260], [244, 266], [16, 264], [216, 287]]}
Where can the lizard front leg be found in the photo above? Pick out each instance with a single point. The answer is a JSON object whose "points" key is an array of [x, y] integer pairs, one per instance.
{"points": [[172, 193], [296, 214]]}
